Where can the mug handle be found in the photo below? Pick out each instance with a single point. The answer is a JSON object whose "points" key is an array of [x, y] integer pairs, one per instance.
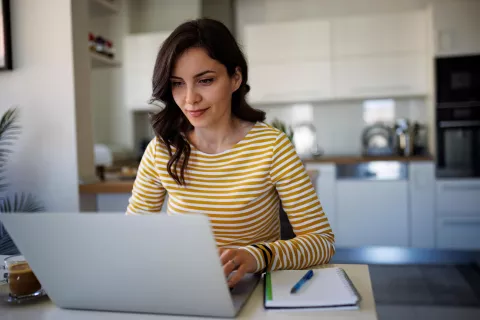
{"points": [[3, 280]]}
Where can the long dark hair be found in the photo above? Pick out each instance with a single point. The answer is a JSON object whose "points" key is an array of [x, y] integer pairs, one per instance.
{"points": [[170, 124]]}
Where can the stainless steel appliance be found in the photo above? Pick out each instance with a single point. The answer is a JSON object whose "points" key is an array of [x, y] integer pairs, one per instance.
{"points": [[410, 138], [458, 116], [458, 141], [378, 140], [458, 81]]}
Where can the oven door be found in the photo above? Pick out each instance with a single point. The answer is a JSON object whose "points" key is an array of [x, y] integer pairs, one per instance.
{"points": [[458, 80], [458, 149]]}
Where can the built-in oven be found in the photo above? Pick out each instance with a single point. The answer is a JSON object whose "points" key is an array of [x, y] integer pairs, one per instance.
{"points": [[458, 80], [458, 116], [458, 138]]}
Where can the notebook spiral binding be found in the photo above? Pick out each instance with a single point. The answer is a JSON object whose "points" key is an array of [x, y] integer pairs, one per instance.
{"points": [[348, 283]]}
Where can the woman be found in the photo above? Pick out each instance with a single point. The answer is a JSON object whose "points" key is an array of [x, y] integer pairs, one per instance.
{"points": [[214, 155]]}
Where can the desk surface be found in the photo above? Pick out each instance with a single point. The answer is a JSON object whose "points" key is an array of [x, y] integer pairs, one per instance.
{"points": [[46, 310]]}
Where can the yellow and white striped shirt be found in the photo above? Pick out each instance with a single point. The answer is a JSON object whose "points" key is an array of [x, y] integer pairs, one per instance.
{"points": [[240, 190]]}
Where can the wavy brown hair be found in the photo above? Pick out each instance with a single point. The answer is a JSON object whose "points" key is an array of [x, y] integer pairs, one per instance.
{"points": [[170, 124]]}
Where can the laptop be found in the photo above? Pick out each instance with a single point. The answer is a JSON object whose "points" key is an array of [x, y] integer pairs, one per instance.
{"points": [[155, 264]]}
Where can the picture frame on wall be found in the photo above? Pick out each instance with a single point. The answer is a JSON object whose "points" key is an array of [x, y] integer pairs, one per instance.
{"points": [[5, 36]]}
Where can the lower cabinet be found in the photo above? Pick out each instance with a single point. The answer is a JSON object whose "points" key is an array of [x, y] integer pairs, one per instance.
{"points": [[372, 213], [461, 233]]}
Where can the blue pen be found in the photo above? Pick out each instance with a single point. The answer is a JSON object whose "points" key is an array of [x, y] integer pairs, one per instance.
{"points": [[302, 281]]}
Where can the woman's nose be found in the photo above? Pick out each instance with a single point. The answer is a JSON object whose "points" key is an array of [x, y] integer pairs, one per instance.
{"points": [[192, 97]]}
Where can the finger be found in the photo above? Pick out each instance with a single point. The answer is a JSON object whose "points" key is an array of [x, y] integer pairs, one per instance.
{"points": [[241, 271], [227, 255], [221, 250], [229, 266]]}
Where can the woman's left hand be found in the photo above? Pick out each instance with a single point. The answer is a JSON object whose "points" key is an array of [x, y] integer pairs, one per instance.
{"points": [[237, 259]]}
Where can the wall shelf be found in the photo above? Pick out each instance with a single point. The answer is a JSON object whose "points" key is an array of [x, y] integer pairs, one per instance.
{"points": [[100, 61], [103, 7]]}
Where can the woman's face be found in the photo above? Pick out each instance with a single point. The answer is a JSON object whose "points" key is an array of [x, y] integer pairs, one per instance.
{"points": [[202, 88]]}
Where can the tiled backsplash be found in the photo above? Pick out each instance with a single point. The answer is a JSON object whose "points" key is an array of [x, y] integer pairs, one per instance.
{"points": [[339, 125]]}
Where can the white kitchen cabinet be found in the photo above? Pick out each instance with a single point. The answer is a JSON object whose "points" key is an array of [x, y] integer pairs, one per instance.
{"points": [[457, 27], [118, 203], [421, 199], [380, 76], [113, 202], [326, 189], [140, 53], [287, 42], [290, 82], [372, 213], [458, 233], [458, 197], [379, 34]]}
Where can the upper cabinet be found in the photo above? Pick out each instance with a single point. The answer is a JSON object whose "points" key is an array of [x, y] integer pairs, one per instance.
{"points": [[373, 56], [140, 53], [380, 56], [379, 35], [287, 42], [380, 76], [285, 64], [290, 82], [457, 27]]}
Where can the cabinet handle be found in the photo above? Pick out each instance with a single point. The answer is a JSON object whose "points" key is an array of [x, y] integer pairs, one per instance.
{"points": [[379, 88], [468, 187], [459, 124], [468, 223]]}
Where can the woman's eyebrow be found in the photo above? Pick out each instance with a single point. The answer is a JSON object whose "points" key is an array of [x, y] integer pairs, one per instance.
{"points": [[203, 73], [197, 75]]}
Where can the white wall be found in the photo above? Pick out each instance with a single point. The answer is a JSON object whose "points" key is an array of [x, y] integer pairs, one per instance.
{"points": [[42, 85], [161, 15], [83, 110], [112, 121]]}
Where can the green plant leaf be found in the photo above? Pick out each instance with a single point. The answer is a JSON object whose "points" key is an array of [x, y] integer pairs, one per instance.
{"points": [[20, 203]]}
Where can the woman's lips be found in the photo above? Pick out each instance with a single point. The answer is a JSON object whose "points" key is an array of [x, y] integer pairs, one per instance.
{"points": [[197, 113]]}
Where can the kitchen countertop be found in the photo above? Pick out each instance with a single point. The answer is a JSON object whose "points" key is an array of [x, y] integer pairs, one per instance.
{"points": [[359, 158], [125, 186]]}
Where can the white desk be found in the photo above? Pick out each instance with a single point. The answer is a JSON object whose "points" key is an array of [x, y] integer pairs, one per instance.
{"points": [[46, 310]]}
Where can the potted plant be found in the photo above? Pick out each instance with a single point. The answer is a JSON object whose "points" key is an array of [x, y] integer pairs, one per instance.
{"points": [[280, 125], [16, 202]]}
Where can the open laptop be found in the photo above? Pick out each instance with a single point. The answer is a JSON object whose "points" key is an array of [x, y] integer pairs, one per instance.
{"points": [[149, 264]]}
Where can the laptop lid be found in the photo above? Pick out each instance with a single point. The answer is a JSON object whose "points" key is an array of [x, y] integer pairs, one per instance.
{"points": [[149, 264]]}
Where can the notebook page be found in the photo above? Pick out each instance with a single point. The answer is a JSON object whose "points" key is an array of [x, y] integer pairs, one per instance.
{"points": [[326, 288]]}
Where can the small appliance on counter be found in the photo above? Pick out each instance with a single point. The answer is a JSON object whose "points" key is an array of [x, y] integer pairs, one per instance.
{"points": [[114, 162], [103, 158], [305, 140], [401, 139], [378, 140]]}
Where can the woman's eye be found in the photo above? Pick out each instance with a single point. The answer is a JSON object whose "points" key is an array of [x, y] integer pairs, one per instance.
{"points": [[206, 81], [176, 83]]}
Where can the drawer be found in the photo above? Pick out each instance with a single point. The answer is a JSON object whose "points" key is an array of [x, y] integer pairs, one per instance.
{"points": [[458, 233], [458, 197]]}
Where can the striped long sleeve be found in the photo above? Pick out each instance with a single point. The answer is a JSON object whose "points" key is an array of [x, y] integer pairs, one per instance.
{"points": [[314, 241], [240, 190], [148, 192]]}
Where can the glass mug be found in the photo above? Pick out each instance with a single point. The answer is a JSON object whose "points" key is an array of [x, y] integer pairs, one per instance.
{"points": [[20, 278]]}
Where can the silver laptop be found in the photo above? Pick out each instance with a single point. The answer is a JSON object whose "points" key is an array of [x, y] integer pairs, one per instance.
{"points": [[150, 264]]}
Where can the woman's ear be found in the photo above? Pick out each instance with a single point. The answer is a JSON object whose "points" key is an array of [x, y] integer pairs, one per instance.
{"points": [[236, 79]]}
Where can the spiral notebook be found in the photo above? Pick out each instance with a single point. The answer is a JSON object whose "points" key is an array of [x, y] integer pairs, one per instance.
{"points": [[329, 288]]}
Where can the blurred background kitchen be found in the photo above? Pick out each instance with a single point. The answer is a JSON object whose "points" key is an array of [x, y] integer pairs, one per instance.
{"points": [[382, 97]]}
